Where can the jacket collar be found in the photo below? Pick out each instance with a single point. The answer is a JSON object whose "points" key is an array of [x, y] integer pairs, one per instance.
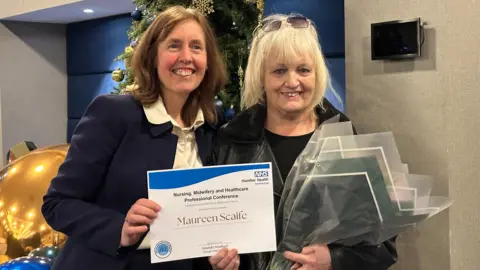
{"points": [[157, 114], [251, 122], [161, 122]]}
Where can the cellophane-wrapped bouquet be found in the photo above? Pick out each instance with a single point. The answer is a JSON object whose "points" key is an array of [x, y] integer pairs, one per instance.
{"points": [[351, 189]]}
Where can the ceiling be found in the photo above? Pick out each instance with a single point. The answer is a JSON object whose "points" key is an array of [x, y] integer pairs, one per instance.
{"points": [[73, 12]]}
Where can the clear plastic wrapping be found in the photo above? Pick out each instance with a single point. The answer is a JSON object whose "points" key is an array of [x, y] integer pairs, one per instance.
{"points": [[351, 189]]}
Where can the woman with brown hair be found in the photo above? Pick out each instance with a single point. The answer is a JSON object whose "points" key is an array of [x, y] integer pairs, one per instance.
{"points": [[98, 199]]}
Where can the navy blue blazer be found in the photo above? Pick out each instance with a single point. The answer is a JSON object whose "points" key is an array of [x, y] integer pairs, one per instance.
{"points": [[103, 175]]}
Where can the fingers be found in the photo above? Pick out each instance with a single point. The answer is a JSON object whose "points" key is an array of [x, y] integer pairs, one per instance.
{"points": [[215, 259], [135, 230], [149, 204], [231, 256], [143, 212], [297, 257], [225, 259], [234, 264], [135, 219], [308, 250]]}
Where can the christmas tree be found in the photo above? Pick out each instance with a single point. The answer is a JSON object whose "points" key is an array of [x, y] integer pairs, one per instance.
{"points": [[233, 22]]}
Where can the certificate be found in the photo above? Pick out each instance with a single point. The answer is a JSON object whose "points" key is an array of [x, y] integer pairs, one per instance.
{"points": [[209, 208]]}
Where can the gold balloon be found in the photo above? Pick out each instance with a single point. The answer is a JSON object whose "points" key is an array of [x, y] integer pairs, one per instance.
{"points": [[23, 183], [4, 259]]}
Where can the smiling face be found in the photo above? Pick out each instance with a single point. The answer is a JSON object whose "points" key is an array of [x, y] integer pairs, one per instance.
{"points": [[289, 85], [182, 59]]}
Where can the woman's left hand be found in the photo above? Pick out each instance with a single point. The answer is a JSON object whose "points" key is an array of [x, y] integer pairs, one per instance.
{"points": [[314, 257]]}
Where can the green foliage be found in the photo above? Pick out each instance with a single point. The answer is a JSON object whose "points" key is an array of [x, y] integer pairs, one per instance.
{"points": [[233, 22]]}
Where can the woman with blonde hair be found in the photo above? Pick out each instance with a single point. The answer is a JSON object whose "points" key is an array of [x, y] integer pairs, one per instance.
{"points": [[283, 101], [99, 197]]}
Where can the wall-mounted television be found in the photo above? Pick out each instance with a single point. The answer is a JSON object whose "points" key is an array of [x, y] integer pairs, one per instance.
{"points": [[396, 39]]}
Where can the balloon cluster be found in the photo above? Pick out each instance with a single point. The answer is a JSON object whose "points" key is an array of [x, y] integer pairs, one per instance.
{"points": [[27, 242], [39, 259], [28, 263]]}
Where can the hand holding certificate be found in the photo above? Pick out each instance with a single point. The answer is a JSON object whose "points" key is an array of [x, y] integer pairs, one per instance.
{"points": [[210, 208], [141, 214]]}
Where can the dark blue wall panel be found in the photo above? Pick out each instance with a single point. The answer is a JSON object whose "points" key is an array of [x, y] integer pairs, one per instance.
{"points": [[93, 45], [328, 16], [83, 89]]}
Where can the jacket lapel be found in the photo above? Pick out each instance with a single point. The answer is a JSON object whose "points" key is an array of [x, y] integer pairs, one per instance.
{"points": [[204, 137], [162, 146], [158, 130]]}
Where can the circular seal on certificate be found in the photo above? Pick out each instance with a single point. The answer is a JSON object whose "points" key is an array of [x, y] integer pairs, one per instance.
{"points": [[163, 249]]}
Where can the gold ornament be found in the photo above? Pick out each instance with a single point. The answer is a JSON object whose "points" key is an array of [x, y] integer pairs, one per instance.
{"points": [[240, 76], [23, 183], [204, 6], [118, 75], [128, 62], [260, 7], [129, 50]]}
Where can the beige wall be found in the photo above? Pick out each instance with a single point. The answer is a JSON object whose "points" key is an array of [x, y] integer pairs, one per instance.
{"points": [[10, 8], [33, 84], [432, 105]]}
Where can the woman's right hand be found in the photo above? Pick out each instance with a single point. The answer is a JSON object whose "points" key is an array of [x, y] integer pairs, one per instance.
{"points": [[141, 214], [225, 259]]}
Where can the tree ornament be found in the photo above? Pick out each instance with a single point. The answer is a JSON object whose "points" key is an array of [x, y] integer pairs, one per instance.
{"points": [[234, 27], [137, 15], [129, 50], [118, 75], [218, 102], [128, 62], [134, 43], [260, 6], [204, 6], [229, 113], [240, 75]]}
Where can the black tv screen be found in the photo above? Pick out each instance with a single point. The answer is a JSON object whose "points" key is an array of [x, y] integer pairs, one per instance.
{"points": [[396, 39]]}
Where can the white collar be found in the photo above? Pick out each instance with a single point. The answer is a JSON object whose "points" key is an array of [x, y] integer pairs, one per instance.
{"points": [[157, 114]]}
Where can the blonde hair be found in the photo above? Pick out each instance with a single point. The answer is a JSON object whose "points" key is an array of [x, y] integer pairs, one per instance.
{"points": [[285, 44]]}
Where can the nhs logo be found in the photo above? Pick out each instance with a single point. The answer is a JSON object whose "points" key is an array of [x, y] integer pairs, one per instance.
{"points": [[261, 173]]}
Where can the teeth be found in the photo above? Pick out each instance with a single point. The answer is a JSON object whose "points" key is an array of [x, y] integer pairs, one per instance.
{"points": [[183, 72], [293, 94]]}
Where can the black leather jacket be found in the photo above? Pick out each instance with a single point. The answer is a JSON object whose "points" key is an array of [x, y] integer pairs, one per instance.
{"points": [[242, 140]]}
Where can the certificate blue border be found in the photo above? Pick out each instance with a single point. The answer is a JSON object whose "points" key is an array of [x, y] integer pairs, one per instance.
{"points": [[170, 179]]}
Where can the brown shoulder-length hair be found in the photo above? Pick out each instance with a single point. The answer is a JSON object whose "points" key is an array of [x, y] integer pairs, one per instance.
{"points": [[145, 72]]}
